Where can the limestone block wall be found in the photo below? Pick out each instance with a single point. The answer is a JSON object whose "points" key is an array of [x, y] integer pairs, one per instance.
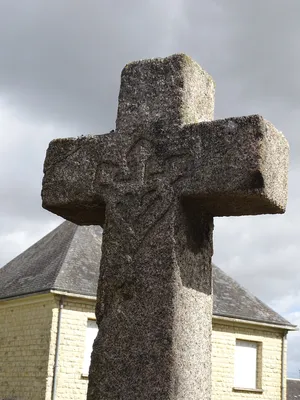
{"points": [[71, 384], [223, 354], [28, 329], [25, 335]]}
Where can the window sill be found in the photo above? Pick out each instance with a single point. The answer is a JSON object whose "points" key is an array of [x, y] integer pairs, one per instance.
{"points": [[237, 389], [84, 376]]}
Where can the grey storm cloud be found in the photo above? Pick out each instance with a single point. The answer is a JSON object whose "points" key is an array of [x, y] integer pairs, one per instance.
{"points": [[62, 59], [59, 76]]}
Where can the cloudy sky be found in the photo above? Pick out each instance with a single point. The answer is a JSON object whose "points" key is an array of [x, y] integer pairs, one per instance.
{"points": [[59, 76]]}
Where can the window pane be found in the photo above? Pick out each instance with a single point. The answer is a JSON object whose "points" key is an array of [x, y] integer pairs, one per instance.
{"points": [[245, 370], [91, 333]]}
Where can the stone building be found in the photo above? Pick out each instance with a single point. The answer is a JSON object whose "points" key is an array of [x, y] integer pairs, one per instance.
{"points": [[47, 325]]}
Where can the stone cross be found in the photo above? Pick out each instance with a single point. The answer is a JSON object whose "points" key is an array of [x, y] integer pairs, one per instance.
{"points": [[155, 184]]}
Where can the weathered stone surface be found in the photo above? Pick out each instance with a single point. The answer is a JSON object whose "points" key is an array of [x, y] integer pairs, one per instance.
{"points": [[235, 166], [155, 185], [169, 92]]}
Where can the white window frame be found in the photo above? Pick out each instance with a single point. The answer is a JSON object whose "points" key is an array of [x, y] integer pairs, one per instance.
{"points": [[247, 368], [90, 336]]}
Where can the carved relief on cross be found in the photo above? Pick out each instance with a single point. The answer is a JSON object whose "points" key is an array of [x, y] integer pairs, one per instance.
{"points": [[223, 158]]}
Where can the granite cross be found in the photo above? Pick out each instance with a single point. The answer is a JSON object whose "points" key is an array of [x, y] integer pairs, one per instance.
{"points": [[155, 184]]}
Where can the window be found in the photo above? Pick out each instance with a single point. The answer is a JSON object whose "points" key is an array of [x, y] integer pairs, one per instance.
{"points": [[247, 370], [91, 333]]}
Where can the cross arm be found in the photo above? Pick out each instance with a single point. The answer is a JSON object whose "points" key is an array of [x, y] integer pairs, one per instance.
{"points": [[77, 175], [241, 167]]}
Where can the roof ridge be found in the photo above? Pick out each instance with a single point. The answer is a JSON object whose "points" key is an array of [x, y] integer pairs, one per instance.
{"points": [[3, 268], [271, 309], [63, 258]]}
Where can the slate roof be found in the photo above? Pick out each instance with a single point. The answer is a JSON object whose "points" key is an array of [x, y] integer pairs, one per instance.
{"points": [[234, 301], [293, 389], [67, 259]]}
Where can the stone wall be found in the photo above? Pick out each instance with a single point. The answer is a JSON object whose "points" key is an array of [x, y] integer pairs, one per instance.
{"points": [[71, 384], [27, 351], [25, 336], [223, 354]]}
